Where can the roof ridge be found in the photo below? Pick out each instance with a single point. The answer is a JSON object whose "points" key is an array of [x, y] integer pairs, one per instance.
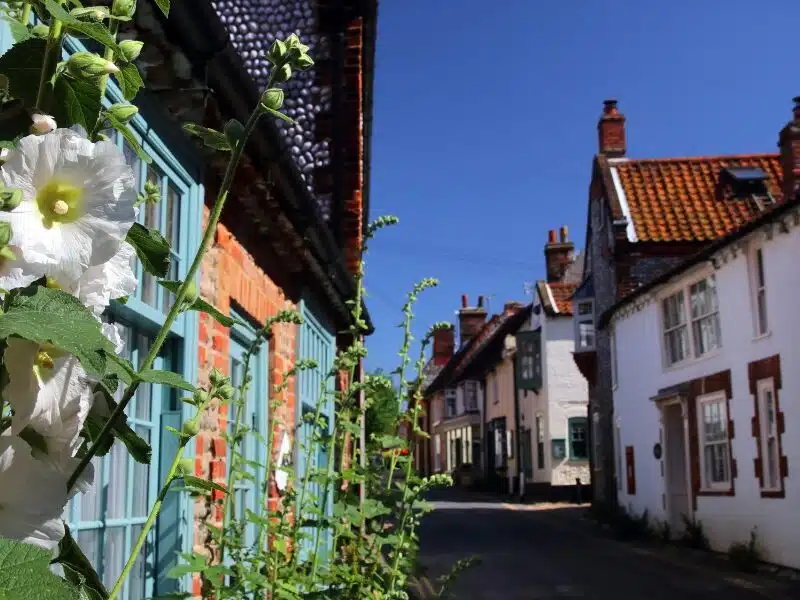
{"points": [[711, 157]]}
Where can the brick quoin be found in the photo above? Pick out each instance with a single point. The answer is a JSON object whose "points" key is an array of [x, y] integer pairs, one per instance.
{"points": [[229, 276]]}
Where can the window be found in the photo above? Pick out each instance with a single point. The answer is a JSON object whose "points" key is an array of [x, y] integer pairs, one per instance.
{"points": [[450, 398], [539, 442], [705, 316], [697, 332], [470, 396], [495, 390], [613, 342], [510, 444], [437, 453], [676, 336], [760, 293], [584, 325], [529, 360], [712, 420], [768, 423], [578, 449]]}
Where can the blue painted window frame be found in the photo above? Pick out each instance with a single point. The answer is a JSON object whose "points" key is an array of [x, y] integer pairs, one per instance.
{"points": [[182, 343], [317, 341], [242, 336]]}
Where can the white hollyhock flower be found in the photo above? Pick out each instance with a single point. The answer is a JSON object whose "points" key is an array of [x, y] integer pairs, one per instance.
{"points": [[49, 392], [33, 494], [77, 206], [103, 283], [42, 124]]}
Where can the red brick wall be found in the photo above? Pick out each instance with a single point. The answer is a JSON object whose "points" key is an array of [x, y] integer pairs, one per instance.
{"points": [[230, 275]]}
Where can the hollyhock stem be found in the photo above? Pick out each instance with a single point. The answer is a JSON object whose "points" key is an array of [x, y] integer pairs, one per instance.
{"points": [[51, 57], [26, 14], [180, 295], [113, 28]]}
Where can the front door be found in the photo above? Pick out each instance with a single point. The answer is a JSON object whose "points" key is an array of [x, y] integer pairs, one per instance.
{"points": [[676, 480]]}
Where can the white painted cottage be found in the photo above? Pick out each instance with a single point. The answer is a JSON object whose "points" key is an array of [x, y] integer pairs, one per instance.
{"points": [[706, 381]]}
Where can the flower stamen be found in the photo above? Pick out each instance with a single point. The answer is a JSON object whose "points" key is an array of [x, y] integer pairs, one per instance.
{"points": [[60, 202]]}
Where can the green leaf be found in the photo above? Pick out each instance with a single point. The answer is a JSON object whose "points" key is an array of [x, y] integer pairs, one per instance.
{"points": [[201, 305], [77, 568], [121, 368], [210, 137], [96, 31], [19, 32], [78, 102], [25, 574], [195, 563], [50, 316], [22, 65], [151, 248], [166, 378], [129, 80], [278, 114], [127, 133], [202, 484], [138, 448], [164, 6]]}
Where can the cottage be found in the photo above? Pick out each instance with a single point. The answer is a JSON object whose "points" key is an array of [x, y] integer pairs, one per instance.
{"points": [[646, 216], [291, 237], [703, 386]]}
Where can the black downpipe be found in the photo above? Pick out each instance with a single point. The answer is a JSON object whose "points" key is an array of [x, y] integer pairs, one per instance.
{"points": [[517, 436]]}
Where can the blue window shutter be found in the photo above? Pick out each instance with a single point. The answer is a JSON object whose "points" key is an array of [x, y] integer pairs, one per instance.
{"points": [[171, 523]]}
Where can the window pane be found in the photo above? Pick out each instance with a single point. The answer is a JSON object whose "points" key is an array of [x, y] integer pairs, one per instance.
{"points": [[673, 311], [762, 310], [173, 217], [760, 268], [141, 480], [133, 161], [116, 490], [90, 501], [152, 220], [113, 555], [89, 541], [137, 577]]}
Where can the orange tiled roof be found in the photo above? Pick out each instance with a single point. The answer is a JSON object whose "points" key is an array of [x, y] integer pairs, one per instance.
{"points": [[562, 294], [675, 199]]}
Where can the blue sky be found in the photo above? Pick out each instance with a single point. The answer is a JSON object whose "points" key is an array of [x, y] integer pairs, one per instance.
{"points": [[485, 127]]}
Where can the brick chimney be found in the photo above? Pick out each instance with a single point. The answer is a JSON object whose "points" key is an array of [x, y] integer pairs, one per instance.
{"points": [[789, 144], [470, 319], [444, 341], [512, 306], [611, 130], [559, 253]]}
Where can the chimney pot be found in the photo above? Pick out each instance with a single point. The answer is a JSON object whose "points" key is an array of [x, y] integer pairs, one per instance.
{"points": [[480, 301], [610, 107], [789, 144], [464, 301], [796, 110], [564, 233], [551, 236]]}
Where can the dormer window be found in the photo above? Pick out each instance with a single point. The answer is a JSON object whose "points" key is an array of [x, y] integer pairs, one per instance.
{"points": [[745, 183], [584, 325], [450, 398]]}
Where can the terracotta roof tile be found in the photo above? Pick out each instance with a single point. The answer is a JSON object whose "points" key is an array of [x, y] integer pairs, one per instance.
{"points": [[562, 294], [676, 199]]}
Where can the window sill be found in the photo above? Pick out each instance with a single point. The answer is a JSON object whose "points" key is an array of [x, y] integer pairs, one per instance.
{"points": [[688, 362], [720, 491], [773, 493], [762, 336]]}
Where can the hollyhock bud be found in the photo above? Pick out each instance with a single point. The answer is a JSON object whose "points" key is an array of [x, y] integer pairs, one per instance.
{"points": [[90, 65], [130, 49], [42, 124]]}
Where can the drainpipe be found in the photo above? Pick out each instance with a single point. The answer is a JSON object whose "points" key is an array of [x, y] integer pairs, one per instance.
{"points": [[520, 473]]}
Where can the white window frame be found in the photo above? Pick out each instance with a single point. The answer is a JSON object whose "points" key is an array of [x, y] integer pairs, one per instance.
{"points": [[450, 394], [688, 323], [717, 398], [758, 279], [614, 373], [437, 453], [768, 431], [586, 318]]}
